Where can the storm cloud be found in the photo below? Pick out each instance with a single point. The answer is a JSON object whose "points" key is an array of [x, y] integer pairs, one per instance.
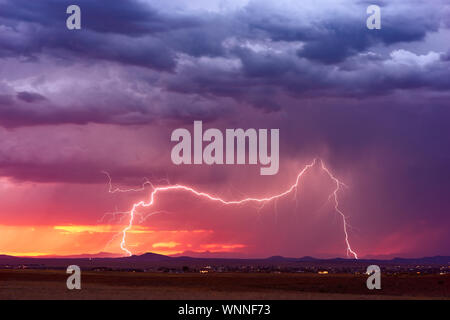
{"points": [[373, 104]]}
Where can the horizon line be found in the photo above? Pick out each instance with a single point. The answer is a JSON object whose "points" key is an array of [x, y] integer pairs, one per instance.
{"points": [[110, 255]]}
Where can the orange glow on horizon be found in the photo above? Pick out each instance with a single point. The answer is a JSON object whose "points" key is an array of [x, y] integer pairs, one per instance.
{"points": [[25, 254], [64, 240], [98, 229], [170, 244], [223, 246]]}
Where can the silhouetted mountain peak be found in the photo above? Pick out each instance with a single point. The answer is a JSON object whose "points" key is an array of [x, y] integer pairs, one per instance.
{"points": [[307, 258], [272, 258], [149, 256]]}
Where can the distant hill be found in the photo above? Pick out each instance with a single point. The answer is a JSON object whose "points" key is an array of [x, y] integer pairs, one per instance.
{"points": [[149, 256], [4, 257], [209, 254], [307, 258], [425, 260], [154, 260]]}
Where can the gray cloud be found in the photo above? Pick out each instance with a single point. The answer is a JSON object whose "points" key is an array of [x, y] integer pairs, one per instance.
{"points": [[153, 63]]}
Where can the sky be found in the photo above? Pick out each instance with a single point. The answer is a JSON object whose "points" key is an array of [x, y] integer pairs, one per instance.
{"points": [[373, 105]]}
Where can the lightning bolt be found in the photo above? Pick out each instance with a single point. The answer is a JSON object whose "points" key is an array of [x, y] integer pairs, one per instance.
{"points": [[160, 189]]}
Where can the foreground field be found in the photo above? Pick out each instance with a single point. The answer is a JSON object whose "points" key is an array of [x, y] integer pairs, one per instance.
{"points": [[51, 284]]}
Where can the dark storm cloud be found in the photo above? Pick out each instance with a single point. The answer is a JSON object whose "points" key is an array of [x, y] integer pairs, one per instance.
{"points": [[128, 32], [30, 109], [257, 54], [34, 41], [134, 31], [98, 106], [30, 97], [128, 17], [72, 172], [334, 37]]}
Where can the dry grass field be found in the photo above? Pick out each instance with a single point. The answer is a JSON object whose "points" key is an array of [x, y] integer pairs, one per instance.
{"points": [[51, 284]]}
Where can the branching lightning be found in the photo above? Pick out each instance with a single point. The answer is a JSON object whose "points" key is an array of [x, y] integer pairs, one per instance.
{"points": [[262, 201]]}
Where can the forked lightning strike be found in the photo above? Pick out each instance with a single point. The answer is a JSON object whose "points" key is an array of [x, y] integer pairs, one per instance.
{"points": [[160, 189]]}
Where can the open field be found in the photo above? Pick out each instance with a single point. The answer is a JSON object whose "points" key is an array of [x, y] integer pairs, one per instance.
{"points": [[51, 284]]}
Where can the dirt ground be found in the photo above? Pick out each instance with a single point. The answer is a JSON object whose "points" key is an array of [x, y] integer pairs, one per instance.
{"points": [[51, 284]]}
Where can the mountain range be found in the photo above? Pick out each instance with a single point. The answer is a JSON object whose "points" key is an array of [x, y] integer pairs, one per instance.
{"points": [[153, 259]]}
